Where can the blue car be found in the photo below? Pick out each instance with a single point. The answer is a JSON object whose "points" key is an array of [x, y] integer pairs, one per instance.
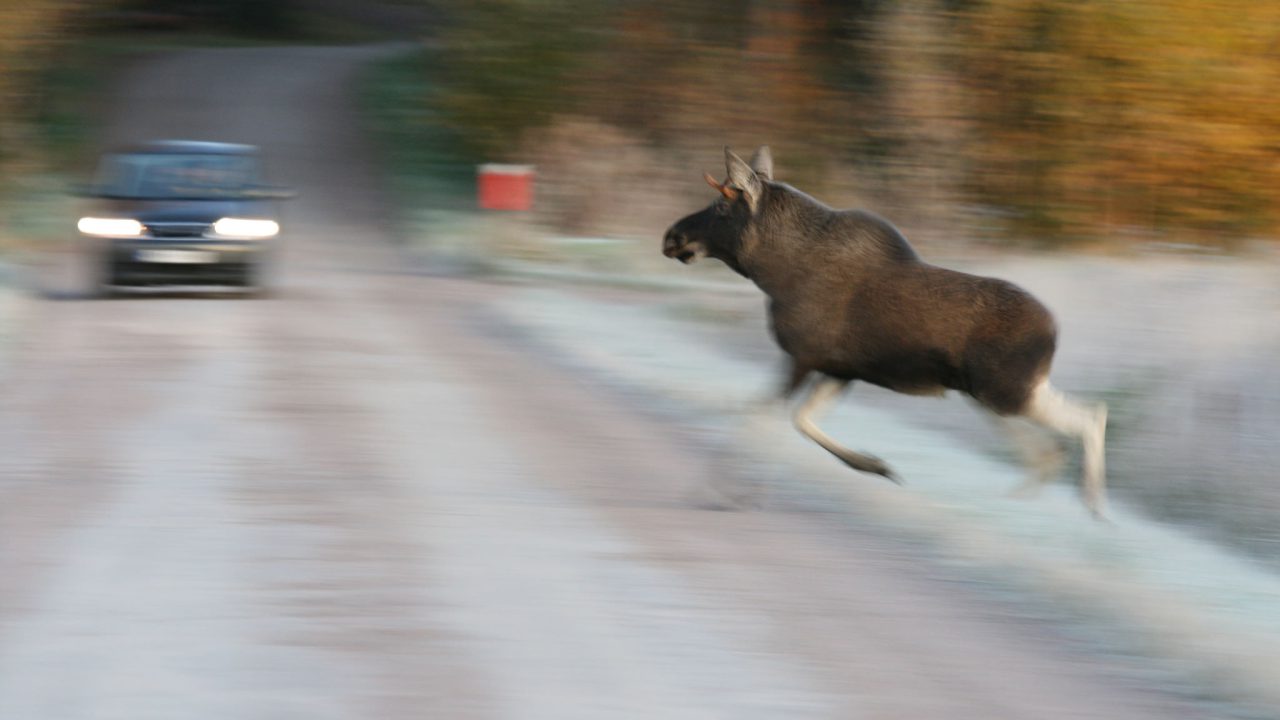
{"points": [[182, 213]]}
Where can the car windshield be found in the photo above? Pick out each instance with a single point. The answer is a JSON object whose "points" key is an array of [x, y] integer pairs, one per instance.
{"points": [[176, 175]]}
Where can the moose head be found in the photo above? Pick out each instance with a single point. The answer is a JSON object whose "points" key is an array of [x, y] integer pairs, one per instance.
{"points": [[719, 230]]}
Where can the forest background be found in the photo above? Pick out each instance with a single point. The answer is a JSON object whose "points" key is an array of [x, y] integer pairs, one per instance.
{"points": [[1032, 122]]}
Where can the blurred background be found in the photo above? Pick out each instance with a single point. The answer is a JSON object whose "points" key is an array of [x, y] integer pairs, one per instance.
{"points": [[1033, 123], [1119, 159], [991, 131]]}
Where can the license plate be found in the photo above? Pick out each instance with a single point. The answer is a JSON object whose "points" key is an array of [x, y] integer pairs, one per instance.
{"points": [[177, 256]]}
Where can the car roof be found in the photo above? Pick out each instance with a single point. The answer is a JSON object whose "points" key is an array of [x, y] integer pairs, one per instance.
{"points": [[198, 147]]}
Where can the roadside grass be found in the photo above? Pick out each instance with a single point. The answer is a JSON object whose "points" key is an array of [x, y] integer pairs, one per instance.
{"points": [[431, 179], [433, 185], [1202, 452], [36, 197]]}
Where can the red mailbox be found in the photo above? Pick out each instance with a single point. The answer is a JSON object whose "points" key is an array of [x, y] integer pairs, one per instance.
{"points": [[505, 187]]}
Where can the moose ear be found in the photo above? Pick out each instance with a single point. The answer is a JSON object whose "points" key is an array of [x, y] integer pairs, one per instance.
{"points": [[762, 162], [741, 176]]}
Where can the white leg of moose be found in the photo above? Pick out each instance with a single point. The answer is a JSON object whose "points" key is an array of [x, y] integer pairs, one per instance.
{"points": [[1056, 411], [1042, 454], [821, 395]]}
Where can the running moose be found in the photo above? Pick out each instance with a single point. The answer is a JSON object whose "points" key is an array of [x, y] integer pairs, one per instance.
{"points": [[849, 300]]}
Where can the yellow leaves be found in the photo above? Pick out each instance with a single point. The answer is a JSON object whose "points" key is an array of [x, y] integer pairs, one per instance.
{"points": [[26, 29], [1169, 108]]}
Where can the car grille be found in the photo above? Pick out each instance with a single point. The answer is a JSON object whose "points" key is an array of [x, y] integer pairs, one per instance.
{"points": [[177, 229]]}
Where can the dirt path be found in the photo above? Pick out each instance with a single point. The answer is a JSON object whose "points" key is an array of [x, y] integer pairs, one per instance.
{"points": [[364, 498]]}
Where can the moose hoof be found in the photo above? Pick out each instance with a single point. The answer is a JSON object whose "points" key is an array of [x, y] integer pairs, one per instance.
{"points": [[1097, 511], [879, 467], [870, 464], [889, 474]]}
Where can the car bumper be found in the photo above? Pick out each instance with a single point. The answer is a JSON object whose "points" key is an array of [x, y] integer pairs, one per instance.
{"points": [[199, 262]]}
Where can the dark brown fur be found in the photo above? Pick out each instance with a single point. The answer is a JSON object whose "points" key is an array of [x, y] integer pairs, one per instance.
{"points": [[850, 299]]}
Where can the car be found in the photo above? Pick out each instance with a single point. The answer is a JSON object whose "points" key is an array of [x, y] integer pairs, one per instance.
{"points": [[182, 213]]}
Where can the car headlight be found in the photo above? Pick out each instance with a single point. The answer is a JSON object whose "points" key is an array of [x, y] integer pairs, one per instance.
{"points": [[109, 227], [246, 228]]}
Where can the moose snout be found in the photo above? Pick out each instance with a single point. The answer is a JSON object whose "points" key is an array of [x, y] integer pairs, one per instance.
{"points": [[672, 242], [675, 244]]}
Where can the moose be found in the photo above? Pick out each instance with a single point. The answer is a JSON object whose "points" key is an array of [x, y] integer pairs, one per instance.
{"points": [[849, 299]]}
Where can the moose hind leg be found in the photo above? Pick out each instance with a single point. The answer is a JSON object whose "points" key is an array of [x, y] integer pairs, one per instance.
{"points": [[1050, 408], [1042, 454], [820, 397]]}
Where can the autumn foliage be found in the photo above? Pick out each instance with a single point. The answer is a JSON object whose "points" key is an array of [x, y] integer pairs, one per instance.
{"points": [[1063, 119], [1106, 117], [29, 31], [1041, 120]]}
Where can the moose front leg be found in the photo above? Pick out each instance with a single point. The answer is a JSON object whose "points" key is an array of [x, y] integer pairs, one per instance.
{"points": [[777, 396], [821, 395], [796, 375]]}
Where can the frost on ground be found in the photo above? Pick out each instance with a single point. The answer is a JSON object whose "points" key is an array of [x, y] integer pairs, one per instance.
{"points": [[1184, 351], [1181, 348], [1144, 587]]}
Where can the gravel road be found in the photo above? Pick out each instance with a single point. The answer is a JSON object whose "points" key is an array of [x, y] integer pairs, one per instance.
{"points": [[364, 497]]}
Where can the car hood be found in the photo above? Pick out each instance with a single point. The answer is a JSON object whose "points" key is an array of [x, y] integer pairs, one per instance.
{"points": [[186, 211]]}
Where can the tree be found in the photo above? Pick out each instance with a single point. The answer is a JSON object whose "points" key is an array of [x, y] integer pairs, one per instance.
{"points": [[28, 31], [1094, 117]]}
